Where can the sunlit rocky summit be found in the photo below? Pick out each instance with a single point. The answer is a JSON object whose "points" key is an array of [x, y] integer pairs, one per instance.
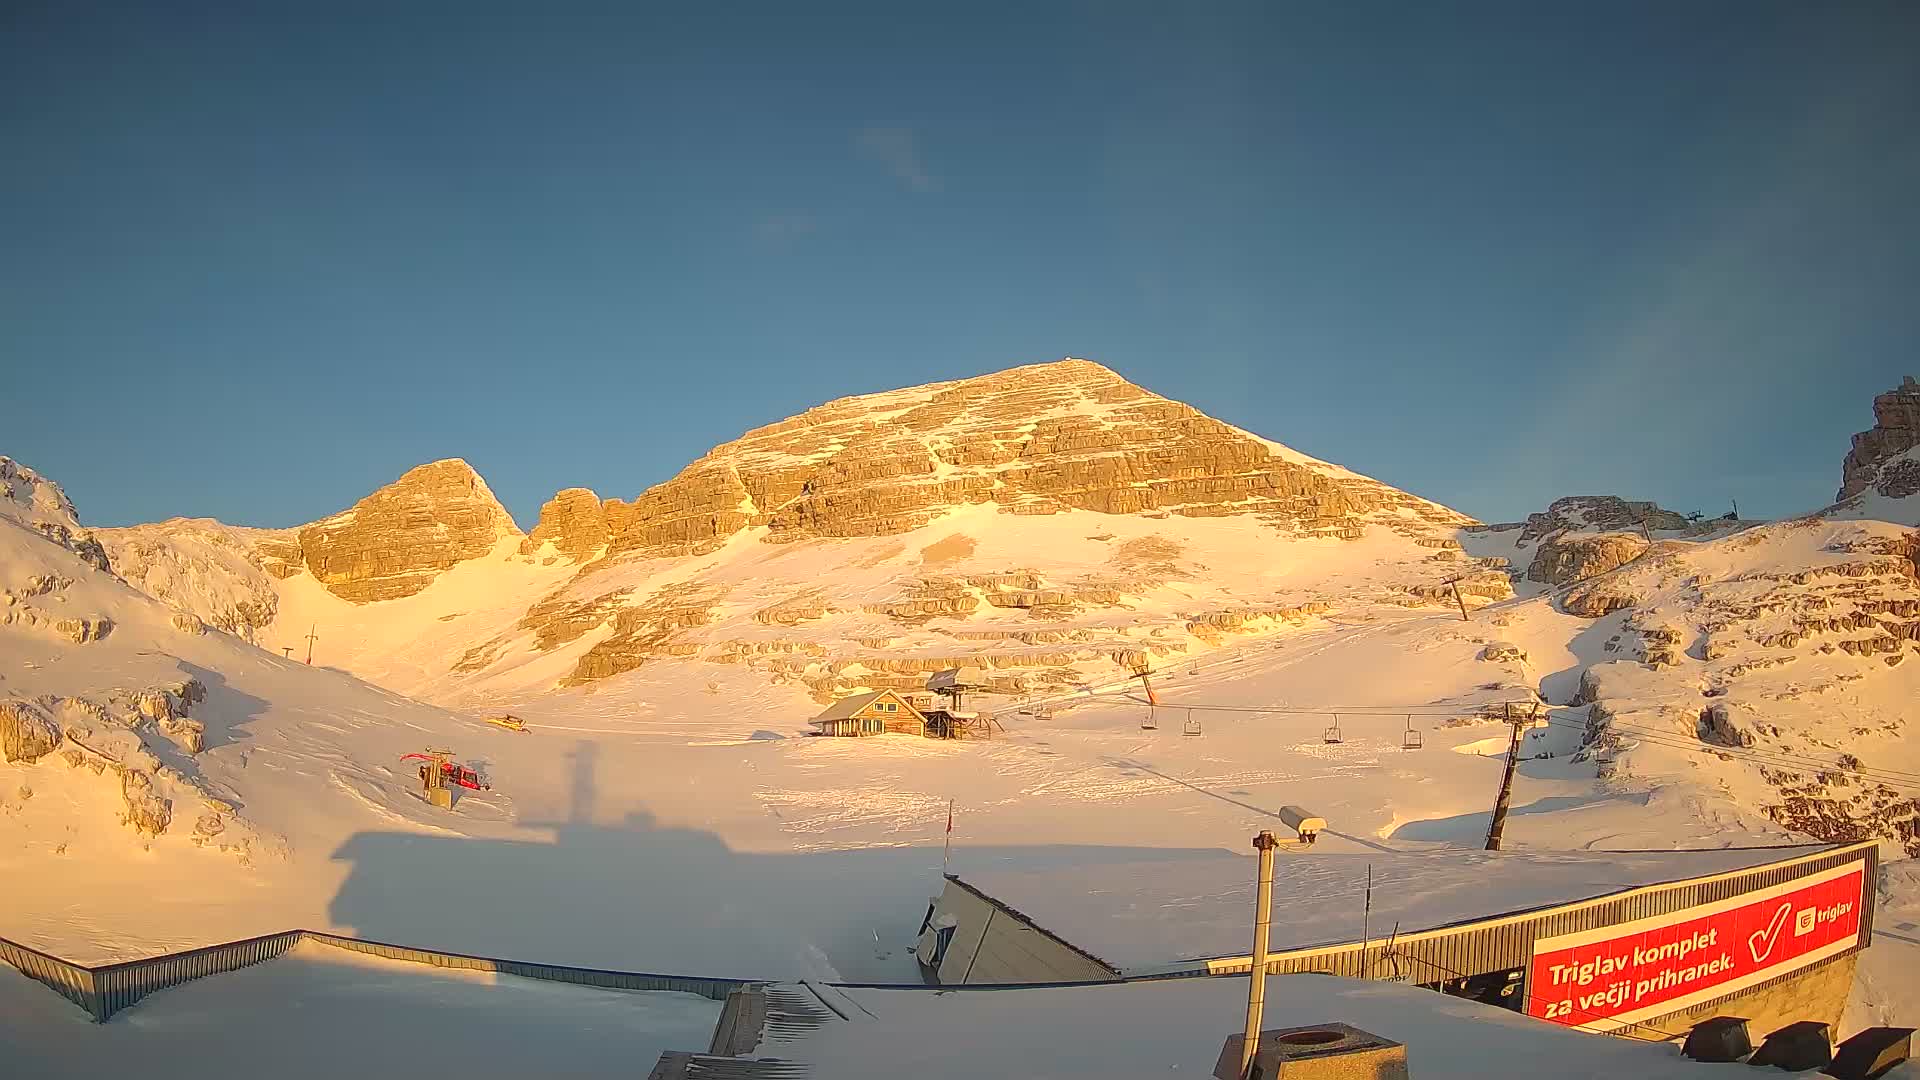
{"points": [[819, 519]]}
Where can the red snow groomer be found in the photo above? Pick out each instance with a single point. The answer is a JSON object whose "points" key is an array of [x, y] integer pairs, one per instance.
{"points": [[451, 772]]}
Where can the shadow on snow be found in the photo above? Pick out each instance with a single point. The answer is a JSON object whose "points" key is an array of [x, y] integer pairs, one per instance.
{"points": [[640, 895]]}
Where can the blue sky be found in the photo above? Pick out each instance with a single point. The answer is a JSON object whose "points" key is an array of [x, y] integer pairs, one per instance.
{"points": [[258, 259]]}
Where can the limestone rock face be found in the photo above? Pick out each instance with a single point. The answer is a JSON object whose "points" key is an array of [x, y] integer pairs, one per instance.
{"points": [[396, 541], [1568, 557], [1896, 429], [27, 733], [1033, 440], [574, 522]]}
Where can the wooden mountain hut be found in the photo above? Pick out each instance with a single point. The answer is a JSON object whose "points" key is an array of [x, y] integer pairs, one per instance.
{"points": [[883, 712]]}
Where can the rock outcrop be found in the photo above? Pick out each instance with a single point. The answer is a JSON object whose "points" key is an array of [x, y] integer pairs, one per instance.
{"points": [[1896, 429], [27, 733], [574, 522], [83, 629], [396, 541], [147, 811], [1600, 513]]}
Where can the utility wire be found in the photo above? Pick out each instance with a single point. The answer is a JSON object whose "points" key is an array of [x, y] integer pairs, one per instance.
{"points": [[1779, 759]]}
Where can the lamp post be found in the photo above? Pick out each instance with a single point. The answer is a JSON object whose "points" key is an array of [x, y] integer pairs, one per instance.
{"points": [[1257, 977]]}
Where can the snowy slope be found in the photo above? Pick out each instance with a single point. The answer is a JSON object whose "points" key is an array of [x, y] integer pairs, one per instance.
{"points": [[185, 759], [1726, 684]]}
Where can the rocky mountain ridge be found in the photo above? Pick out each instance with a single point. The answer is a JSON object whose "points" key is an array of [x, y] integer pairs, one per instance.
{"points": [[391, 544], [1024, 446]]}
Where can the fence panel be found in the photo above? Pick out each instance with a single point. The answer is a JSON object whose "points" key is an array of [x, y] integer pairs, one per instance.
{"points": [[120, 985], [70, 981]]}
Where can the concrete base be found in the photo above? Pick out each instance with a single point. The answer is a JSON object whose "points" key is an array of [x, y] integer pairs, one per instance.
{"points": [[1331, 1051], [440, 797]]}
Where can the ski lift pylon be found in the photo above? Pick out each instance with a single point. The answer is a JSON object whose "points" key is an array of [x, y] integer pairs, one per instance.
{"points": [[1410, 739], [1193, 724], [1332, 734]]}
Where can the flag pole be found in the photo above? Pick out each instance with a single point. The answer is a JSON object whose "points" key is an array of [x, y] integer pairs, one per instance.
{"points": [[947, 855]]}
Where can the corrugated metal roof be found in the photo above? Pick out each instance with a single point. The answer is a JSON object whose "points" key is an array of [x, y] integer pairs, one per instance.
{"points": [[1144, 915]]}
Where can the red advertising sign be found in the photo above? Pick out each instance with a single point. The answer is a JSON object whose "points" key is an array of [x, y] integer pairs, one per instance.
{"points": [[1614, 975]]}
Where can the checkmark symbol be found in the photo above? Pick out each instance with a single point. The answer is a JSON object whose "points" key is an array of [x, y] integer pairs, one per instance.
{"points": [[1760, 944]]}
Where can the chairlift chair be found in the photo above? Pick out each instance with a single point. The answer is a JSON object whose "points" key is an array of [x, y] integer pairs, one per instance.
{"points": [[1147, 722], [1193, 724], [1332, 734], [1410, 739]]}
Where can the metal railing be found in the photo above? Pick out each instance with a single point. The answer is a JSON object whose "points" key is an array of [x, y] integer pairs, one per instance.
{"points": [[109, 988]]}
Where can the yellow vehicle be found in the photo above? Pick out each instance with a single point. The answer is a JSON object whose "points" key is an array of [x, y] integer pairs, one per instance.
{"points": [[508, 721]]}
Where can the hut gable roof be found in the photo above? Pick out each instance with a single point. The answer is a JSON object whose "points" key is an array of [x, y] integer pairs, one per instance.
{"points": [[846, 707]]}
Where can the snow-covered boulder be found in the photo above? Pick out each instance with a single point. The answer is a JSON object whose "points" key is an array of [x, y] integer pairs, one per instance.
{"points": [[83, 630], [1503, 652], [1569, 557]]}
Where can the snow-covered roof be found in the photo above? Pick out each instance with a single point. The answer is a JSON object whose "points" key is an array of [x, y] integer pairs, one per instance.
{"points": [[294, 1011], [1140, 916], [847, 706], [1163, 1028]]}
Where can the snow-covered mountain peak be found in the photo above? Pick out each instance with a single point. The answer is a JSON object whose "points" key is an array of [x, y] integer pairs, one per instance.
{"points": [[39, 504]]}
